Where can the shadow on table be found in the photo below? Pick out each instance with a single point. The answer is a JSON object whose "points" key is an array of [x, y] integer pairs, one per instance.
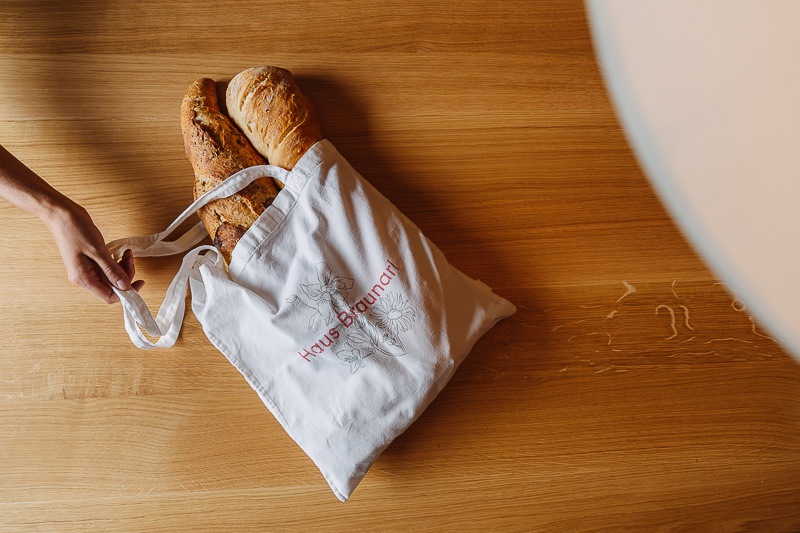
{"points": [[477, 394]]}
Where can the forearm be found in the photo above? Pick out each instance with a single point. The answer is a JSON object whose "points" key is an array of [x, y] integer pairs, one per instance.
{"points": [[26, 190], [86, 258]]}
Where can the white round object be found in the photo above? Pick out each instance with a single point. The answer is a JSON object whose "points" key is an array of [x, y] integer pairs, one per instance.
{"points": [[709, 95]]}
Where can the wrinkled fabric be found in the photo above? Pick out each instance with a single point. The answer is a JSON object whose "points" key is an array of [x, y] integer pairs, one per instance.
{"points": [[343, 317]]}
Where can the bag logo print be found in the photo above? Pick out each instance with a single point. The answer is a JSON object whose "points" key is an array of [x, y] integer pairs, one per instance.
{"points": [[371, 326], [327, 296]]}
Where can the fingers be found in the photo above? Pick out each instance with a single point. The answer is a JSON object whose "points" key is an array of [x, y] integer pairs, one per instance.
{"points": [[104, 292], [89, 263], [112, 270], [127, 264], [101, 289], [86, 273]]}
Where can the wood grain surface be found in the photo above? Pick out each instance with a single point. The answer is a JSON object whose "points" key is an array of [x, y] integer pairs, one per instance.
{"points": [[630, 392]]}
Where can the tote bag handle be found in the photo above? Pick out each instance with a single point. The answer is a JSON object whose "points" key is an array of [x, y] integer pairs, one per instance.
{"points": [[167, 325]]}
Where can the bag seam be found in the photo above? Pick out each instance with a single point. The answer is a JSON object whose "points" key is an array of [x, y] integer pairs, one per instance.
{"points": [[283, 218]]}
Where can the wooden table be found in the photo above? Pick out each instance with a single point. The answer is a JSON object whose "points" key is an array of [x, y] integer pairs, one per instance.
{"points": [[629, 392]]}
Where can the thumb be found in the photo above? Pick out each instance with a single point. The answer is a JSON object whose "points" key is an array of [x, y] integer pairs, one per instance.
{"points": [[115, 274]]}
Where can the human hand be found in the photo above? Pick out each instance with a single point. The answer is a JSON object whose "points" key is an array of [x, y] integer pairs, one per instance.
{"points": [[86, 258]]}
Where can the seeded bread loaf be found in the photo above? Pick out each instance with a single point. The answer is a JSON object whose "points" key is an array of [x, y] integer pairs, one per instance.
{"points": [[217, 150], [276, 117]]}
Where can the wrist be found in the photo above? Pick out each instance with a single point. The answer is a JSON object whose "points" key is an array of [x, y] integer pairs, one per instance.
{"points": [[54, 208]]}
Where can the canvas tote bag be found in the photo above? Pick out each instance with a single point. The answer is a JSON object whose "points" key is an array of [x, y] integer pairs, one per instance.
{"points": [[338, 312]]}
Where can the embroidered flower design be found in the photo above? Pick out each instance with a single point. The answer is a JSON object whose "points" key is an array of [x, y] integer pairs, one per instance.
{"points": [[365, 333], [393, 314], [324, 297], [353, 357]]}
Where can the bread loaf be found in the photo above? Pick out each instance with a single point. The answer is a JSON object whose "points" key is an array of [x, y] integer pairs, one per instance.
{"points": [[276, 117], [217, 150]]}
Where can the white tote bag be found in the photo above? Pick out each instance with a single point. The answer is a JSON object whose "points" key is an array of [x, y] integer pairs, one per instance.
{"points": [[335, 308]]}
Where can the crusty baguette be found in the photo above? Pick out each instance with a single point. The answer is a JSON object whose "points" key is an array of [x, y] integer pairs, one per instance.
{"points": [[217, 150], [276, 117]]}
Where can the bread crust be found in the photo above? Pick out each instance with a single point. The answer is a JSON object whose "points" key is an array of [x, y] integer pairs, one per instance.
{"points": [[272, 112], [217, 150]]}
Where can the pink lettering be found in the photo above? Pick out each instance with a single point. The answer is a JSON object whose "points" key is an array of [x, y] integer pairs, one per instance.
{"points": [[345, 319]]}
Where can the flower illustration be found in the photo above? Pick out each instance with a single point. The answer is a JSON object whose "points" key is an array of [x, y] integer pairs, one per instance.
{"points": [[393, 314], [324, 297], [367, 335], [353, 357]]}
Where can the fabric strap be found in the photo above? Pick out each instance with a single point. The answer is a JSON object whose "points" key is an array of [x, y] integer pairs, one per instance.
{"points": [[167, 325]]}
